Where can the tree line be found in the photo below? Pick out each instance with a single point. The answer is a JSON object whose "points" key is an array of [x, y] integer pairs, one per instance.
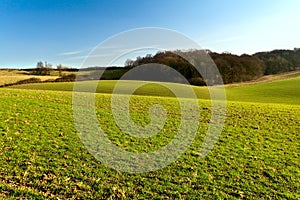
{"points": [[233, 68], [45, 69], [279, 61]]}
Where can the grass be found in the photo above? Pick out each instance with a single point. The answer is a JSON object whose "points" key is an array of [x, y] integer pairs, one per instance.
{"points": [[107, 86], [285, 91], [13, 76], [42, 157], [281, 91], [256, 157]]}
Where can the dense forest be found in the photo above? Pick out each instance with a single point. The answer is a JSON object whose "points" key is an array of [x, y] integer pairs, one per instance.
{"points": [[279, 61], [233, 68]]}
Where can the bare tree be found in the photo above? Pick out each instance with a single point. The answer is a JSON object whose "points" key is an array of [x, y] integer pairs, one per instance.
{"points": [[43, 69], [129, 63], [59, 68]]}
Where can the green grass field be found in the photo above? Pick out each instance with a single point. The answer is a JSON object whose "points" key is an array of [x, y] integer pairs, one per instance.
{"points": [[285, 91], [281, 91], [256, 157]]}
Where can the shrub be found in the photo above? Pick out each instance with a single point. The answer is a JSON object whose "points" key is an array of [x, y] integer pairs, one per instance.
{"points": [[197, 81]]}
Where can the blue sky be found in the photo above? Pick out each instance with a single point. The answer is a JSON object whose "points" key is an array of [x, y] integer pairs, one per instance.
{"points": [[66, 31]]}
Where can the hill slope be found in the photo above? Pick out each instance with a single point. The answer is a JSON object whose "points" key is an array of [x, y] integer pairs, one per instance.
{"points": [[286, 91], [42, 157]]}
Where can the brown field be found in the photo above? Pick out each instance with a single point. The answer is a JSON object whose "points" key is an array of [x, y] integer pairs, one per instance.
{"points": [[12, 76]]}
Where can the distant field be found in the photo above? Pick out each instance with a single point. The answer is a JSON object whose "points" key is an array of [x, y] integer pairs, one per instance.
{"points": [[269, 78], [107, 86], [285, 91], [280, 91], [257, 156], [12, 76]]}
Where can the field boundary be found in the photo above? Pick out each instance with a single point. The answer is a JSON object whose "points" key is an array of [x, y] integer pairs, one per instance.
{"points": [[268, 78]]}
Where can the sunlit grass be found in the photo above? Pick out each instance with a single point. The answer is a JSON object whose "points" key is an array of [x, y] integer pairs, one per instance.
{"points": [[42, 156], [280, 91]]}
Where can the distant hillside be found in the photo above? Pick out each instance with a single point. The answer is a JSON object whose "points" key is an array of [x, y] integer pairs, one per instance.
{"points": [[279, 61], [233, 68], [285, 91]]}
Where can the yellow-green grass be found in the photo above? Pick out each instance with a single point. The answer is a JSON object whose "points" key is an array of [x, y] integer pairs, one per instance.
{"points": [[285, 91], [13, 76], [63, 73], [42, 157], [107, 86]]}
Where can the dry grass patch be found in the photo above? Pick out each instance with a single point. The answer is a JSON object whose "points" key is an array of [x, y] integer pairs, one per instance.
{"points": [[13, 76]]}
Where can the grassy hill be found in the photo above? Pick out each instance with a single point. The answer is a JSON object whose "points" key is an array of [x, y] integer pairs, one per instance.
{"points": [[42, 156], [280, 91], [256, 157], [286, 91]]}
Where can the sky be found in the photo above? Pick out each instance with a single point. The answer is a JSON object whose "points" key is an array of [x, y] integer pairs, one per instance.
{"points": [[65, 32]]}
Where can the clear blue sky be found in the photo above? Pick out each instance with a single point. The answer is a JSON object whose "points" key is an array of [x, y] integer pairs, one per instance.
{"points": [[64, 32]]}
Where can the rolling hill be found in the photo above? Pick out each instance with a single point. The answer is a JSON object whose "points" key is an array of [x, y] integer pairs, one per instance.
{"points": [[42, 156], [285, 91]]}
